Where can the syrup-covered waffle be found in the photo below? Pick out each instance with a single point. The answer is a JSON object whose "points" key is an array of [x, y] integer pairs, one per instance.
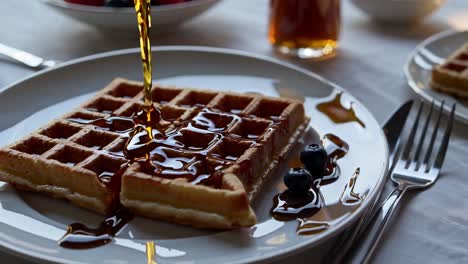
{"points": [[212, 155], [452, 76]]}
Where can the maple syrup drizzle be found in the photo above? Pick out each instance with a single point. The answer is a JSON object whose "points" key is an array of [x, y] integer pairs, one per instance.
{"points": [[112, 180], [168, 152], [289, 206], [335, 110]]}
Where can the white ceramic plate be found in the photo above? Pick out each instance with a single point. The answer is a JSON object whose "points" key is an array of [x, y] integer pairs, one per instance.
{"points": [[164, 17], [31, 224], [430, 52]]}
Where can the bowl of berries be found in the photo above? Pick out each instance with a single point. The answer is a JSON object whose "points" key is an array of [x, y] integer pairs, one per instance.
{"points": [[120, 14]]}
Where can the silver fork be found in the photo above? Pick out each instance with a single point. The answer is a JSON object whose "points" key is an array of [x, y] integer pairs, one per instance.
{"points": [[26, 58], [410, 171]]}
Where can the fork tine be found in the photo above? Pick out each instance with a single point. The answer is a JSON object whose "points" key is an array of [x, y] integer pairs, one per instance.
{"points": [[410, 141], [445, 141], [434, 135], [422, 137]]}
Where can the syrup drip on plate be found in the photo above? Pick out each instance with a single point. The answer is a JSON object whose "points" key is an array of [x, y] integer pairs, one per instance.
{"points": [[309, 227], [79, 236], [349, 197], [335, 110]]}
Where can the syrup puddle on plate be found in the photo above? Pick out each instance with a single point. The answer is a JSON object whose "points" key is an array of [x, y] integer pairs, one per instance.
{"points": [[79, 236], [338, 113]]}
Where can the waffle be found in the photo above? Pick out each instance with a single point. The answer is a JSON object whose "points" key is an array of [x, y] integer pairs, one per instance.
{"points": [[452, 76], [218, 152]]}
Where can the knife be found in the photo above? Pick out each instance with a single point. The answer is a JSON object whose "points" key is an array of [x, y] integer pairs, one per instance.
{"points": [[394, 125], [392, 129]]}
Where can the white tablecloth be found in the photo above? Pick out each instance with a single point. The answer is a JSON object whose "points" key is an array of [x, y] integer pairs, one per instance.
{"points": [[431, 227]]}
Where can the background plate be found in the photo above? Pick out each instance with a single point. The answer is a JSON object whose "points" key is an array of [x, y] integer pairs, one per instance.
{"points": [[430, 52], [164, 17], [31, 224]]}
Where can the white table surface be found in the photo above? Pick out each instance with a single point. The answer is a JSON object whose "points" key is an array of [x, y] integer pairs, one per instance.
{"points": [[431, 227]]}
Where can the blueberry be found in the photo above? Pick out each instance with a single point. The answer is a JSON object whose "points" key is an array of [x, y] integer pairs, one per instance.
{"points": [[298, 180], [314, 157], [120, 3]]}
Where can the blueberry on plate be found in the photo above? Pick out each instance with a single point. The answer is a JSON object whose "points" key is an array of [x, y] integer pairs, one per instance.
{"points": [[314, 157], [298, 180]]}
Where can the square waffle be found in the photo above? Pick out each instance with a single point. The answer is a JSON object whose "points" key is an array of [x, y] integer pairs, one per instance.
{"points": [[452, 76], [219, 149]]}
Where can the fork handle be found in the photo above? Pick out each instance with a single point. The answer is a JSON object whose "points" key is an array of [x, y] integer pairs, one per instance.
{"points": [[370, 238]]}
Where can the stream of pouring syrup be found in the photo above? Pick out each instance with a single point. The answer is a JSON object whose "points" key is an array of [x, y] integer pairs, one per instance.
{"points": [[143, 11], [151, 114], [150, 252]]}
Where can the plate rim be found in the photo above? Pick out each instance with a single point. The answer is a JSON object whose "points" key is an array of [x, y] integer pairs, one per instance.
{"points": [[126, 10], [411, 81], [265, 258]]}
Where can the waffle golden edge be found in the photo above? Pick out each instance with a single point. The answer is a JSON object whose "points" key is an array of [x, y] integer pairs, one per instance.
{"points": [[451, 77], [60, 160]]}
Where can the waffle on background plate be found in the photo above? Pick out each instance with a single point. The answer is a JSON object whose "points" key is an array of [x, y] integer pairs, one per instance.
{"points": [[219, 148], [452, 76]]}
